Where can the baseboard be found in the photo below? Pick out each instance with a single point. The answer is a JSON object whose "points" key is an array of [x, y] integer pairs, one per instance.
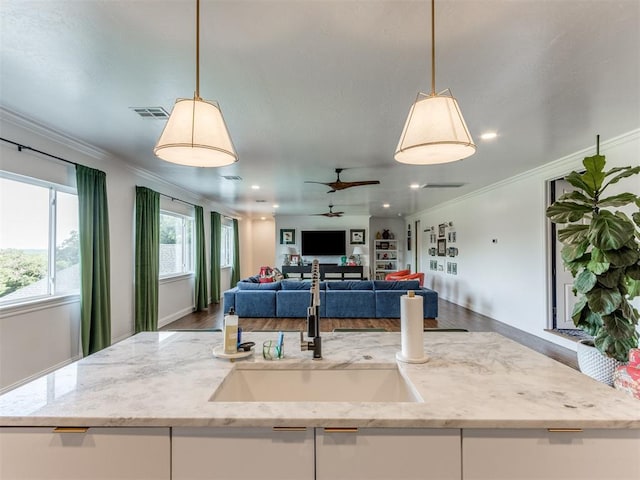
{"points": [[175, 316]]}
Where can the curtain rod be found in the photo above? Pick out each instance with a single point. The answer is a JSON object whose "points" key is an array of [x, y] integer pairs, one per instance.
{"points": [[25, 147], [173, 199]]}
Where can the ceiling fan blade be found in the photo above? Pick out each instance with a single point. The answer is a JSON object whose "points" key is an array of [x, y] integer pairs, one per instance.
{"points": [[344, 185], [320, 183], [340, 185]]}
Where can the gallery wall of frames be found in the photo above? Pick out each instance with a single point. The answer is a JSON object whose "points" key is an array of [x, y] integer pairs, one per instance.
{"points": [[441, 248]]}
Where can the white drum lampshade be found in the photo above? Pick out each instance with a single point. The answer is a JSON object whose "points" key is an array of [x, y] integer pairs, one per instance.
{"points": [[435, 132], [196, 135]]}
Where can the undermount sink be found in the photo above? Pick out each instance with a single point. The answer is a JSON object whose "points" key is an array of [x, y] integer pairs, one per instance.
{"points": [[350, 384]]}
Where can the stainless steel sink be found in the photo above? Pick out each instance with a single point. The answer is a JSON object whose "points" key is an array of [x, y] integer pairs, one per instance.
{"points": [[299, 384]]}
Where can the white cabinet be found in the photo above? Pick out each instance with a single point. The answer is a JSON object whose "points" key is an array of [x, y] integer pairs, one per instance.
{"points": [[388, 453], [540, 454], [242, 453], [97, 453], [386, 257]]}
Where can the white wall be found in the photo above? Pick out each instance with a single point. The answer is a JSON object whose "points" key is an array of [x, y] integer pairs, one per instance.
{"points": [[309, 222], [35, 340], [508, 280]]}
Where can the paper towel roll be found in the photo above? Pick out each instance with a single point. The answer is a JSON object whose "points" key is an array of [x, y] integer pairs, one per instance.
{"points": [[411, 329]]}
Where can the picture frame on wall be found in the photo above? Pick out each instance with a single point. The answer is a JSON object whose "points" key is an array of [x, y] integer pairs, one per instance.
{"points": [[357, 236], [442, 247], [287, 236], [441, 230]]}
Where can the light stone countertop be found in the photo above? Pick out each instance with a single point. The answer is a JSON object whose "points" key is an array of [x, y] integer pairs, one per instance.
{"points": [[472, 380]]}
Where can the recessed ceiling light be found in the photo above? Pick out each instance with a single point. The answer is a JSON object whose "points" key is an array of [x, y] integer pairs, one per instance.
{"points": [[415, 185], [263, 218], [385, 205], [488, 136], [255, 187], [275, 205]]}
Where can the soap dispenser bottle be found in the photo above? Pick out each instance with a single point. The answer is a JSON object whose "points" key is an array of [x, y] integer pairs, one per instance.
{"points": [[231, 332]]}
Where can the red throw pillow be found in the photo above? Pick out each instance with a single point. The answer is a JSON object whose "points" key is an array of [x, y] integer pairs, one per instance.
{"points": [[266, 279]]}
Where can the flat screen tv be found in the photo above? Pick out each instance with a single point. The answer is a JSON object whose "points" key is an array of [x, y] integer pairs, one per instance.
{"points": [[323, 242]]}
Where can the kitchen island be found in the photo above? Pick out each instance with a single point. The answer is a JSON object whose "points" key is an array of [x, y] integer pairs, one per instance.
{"points": [[480, 390]]}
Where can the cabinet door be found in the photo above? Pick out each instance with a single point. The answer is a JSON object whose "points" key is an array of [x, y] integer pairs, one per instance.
{"points": [[242, 453], [98, 453], [388, 453], [540, 454]]}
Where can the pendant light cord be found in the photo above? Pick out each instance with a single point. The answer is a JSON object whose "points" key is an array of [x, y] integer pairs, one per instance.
{"points": [[433, 47], [197, 95]]}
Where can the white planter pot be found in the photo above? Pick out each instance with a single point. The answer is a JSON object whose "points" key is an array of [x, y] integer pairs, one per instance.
{"points": [[595, 364]]}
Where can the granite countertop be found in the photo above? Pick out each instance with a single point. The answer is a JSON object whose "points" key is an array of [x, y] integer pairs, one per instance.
{"points": [[472, 380]]}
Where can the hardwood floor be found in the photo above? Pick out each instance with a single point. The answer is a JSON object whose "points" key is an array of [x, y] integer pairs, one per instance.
{"points": [[450, 315]]}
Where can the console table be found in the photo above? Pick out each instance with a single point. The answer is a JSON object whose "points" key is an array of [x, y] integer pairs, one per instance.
{"points": [[327, 272]]}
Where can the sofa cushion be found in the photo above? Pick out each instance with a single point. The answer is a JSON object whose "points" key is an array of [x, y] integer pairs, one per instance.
{"points": [[350, 285], [396, 285], [300, 285], [294, 303], [254, 303], [350, 303], [258, 286], [388, 303]]}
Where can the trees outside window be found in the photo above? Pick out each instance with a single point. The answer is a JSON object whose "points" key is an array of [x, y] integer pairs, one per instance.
{"points": [[39, 249]]}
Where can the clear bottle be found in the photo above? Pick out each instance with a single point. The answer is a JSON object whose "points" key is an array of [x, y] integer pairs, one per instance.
{"points": [[231, 332]]}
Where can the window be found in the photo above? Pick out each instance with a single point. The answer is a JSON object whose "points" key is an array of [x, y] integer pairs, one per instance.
{"points": [[176, 244], [226, 246], [39, 246]]}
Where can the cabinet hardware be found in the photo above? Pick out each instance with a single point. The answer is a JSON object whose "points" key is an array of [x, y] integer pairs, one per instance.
{"points": [[341, 429], [564, 430], [70, 429], [289, 429]]}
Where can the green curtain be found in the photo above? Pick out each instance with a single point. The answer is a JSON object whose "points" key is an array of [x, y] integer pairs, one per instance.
{"points": [[200, 261], [95, 289], [235, 268], [216, 233], [147, 259]]}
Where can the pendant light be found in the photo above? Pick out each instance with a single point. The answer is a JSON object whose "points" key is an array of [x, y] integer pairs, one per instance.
{"points": [[435, 131], [196, 134]]}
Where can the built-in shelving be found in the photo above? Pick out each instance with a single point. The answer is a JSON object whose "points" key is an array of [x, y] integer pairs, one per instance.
{"points": [[386, 257]]}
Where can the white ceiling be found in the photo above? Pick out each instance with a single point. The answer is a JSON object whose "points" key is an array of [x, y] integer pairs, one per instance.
{"points": [[307, 86]]}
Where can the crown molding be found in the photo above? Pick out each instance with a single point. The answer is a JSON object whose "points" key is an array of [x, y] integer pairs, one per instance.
{"points": [[551, 171], [49, 133]]}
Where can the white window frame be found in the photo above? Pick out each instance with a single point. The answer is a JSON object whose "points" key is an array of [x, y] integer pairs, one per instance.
{"points": [[187, 270], [53, 188], [226, 246]]}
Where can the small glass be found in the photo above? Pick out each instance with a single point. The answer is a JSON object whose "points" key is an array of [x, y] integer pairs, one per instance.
{"points": [[271, 350]]}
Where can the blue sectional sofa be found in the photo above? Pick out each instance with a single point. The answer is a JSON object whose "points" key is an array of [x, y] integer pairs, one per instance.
{"points": [[343, 299]]}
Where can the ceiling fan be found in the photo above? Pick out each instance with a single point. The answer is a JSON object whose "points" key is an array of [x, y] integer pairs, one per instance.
{"points": [[330, 213], [340, 185]]}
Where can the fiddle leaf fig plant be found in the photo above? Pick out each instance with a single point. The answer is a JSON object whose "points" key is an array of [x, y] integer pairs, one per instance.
{"points": [[601, 248]]}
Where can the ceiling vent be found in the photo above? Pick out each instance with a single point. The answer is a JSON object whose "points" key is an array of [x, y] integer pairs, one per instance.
{"points": [[261, 201], [443, 185], [233, 178], [153, 113]]}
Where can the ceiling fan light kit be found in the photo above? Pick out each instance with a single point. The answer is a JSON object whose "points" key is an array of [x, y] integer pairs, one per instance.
{"points": [[196, 134], [435, 131]]}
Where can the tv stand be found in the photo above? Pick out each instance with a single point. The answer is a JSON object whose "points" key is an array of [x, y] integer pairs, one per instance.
{"points": [[327, 272]]}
